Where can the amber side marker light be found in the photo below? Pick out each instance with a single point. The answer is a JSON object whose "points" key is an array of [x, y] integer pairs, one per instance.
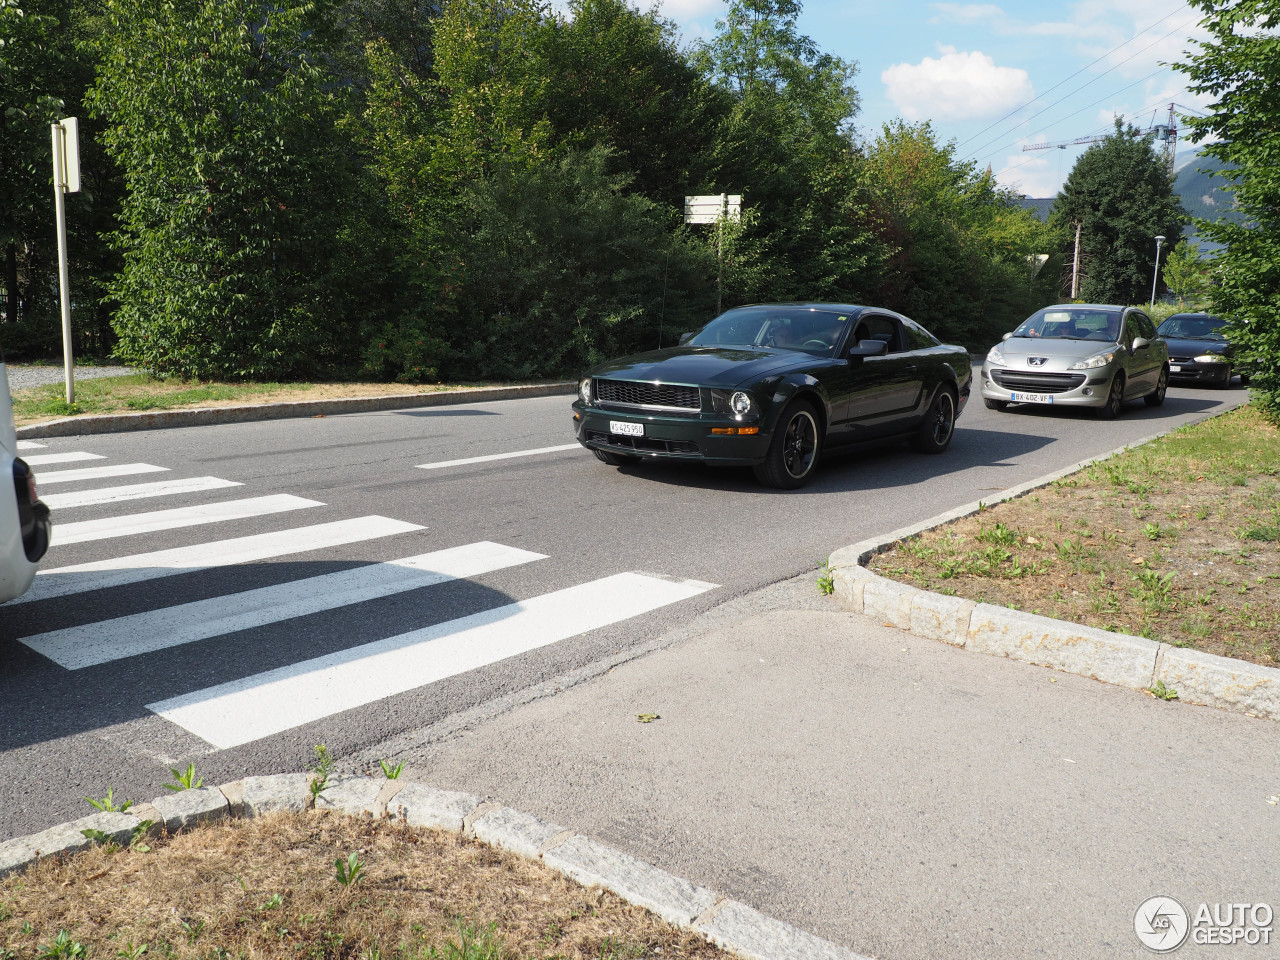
{"points": [[735, 431]]}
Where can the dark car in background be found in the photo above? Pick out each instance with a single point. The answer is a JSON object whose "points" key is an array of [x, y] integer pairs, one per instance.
{"points": [[772, 386], [1199, 353]]}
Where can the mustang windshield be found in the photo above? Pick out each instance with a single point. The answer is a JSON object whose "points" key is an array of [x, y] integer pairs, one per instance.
{"points": [[788, 328], [1193, 327], [1075, 324]]}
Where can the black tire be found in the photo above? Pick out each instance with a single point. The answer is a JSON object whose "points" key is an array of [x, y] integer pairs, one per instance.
{"points": [[1226, 381], [995, 404], [1156, 396], [794, 450], [939, 425], [615, 459], [1244, 379], [1115, 399]]}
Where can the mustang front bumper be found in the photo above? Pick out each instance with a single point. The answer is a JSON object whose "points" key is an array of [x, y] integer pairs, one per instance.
{"points": [[671, 437]]}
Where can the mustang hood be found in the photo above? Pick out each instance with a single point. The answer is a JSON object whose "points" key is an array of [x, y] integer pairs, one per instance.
{"points": [[1187, 347], [704, 366]]}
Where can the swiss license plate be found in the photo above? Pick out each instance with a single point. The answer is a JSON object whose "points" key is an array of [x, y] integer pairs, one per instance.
{"points": [[1175, 368], [1031, 397], [626, 429]]}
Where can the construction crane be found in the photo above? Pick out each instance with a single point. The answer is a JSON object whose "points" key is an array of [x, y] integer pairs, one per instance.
{"points": [[1165, 133]]}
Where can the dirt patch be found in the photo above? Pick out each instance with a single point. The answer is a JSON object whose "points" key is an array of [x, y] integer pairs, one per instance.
{"points": [[1178, 540], [269, 888]]}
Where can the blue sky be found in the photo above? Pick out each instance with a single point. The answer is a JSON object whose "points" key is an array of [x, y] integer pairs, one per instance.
{"points": [[995, 76]]}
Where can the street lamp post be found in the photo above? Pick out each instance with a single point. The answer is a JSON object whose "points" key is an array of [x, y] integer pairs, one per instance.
{"points": [[1156, 274]]}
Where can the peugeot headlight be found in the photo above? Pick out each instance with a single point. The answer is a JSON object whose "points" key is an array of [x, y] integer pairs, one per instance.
{"points": [[1097, 360], [1211, 358], [741, 403], [584, 390], [995, 356]]}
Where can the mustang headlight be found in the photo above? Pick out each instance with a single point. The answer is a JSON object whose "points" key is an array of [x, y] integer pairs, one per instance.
{"points": [[741, 403], [1211, 358], [1097, 360], [584, 390], [995, 356]]}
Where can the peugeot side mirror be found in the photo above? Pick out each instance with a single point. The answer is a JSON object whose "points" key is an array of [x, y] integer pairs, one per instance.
{"points": [[1005, 336], [1140, 343]]}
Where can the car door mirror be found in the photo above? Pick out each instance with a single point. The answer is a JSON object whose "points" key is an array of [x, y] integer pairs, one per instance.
{"points": [[868, 348], [1005, 336], [1140, 343], [686, 337]]}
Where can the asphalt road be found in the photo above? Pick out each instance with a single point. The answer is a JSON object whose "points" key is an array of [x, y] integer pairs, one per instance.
{"points": [[121, 702]]}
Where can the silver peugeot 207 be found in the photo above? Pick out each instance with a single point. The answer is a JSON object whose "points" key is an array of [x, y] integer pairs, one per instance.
{"points": [[1079, 355]]}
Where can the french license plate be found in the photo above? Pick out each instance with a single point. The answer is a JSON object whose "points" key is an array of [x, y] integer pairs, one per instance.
{"points": [[1175, 368], [1031, 397], [626, 429]]}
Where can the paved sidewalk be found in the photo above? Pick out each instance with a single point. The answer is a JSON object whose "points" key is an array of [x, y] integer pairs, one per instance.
{"points": [[896, 795]]}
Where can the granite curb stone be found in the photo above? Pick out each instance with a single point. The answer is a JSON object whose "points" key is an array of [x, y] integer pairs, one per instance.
{"points": [[186, 807], [731, 925], [1115, 658], [204, 416]]}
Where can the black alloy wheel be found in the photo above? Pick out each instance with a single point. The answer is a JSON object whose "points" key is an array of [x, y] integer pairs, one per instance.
{"points": [[794, 449], [1115, 399], [939, 424], [615, 459], [995, 404]]}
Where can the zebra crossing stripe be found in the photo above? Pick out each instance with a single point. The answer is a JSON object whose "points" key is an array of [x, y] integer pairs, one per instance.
{"points": [[97, 473], [499, 456], [118, 571], [135, 491], [95, 643], [138, 523], [249, 709], [30, 445], [48, 459]]}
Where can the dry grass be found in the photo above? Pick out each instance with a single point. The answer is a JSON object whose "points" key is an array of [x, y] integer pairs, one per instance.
{"points": [[267, 888], [1178, 540]]}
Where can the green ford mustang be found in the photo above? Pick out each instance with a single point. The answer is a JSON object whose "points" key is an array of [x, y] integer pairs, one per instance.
{"points": [[774, 385]]}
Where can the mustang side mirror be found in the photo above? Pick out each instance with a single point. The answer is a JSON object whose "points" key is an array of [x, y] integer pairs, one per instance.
{"points": [[868, 348], [686, 337]]}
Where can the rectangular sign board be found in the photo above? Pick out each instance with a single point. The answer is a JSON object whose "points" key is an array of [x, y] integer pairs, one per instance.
{"points": [[66, 155], [709, 208]]}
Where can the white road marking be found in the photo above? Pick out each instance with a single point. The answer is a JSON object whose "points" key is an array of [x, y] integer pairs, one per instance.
{"points": [[135, 491], [118, 571], [30, 445], [97, 473], [94, 643], [245, 710], [136, 523], [47, 459], [499, 456]]}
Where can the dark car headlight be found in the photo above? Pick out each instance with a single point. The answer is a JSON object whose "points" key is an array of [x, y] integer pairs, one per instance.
{"points": [[584, 390], [736, 403]]}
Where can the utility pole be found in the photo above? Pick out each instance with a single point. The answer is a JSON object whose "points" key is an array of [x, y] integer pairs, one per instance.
{"points": [[1075, 264]]}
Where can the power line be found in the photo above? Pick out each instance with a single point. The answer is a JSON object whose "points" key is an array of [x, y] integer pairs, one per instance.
{"points": [[1065, 80]]}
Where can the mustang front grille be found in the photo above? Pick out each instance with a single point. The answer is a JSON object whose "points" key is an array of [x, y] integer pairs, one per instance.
{"points": [[1036, 381], [644, 444], [632, 394]]}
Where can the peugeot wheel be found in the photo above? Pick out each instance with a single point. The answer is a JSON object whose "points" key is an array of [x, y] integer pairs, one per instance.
{"points": [[794, 449], [1156, 396], [1115, 399], [939, 425]]}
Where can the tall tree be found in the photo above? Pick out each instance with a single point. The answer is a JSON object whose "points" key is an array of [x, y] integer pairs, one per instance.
{"points": [[1121, 193], [1240, 66], [223, 115]]}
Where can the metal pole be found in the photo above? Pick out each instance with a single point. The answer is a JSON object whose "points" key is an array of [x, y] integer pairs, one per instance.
{"points": [[1075, 265], [1156, 273], [720, 253], [64, 282]]}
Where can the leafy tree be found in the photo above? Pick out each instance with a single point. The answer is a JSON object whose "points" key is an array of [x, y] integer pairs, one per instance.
{"points": [[1240, 66], [1185, 273], [1121, 193], [232, 233]]}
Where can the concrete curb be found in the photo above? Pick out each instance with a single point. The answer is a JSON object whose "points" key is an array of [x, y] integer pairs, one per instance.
{"points": [[204, 416], [727, 923], [1115, 658]]}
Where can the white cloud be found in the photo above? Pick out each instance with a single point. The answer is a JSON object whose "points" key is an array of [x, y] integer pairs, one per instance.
{"points": [[1032, 175], [685, 10], [966, 12], [955, 86]]}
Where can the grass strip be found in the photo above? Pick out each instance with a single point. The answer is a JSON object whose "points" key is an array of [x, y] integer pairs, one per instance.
{"points": [[1177, 540]]}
